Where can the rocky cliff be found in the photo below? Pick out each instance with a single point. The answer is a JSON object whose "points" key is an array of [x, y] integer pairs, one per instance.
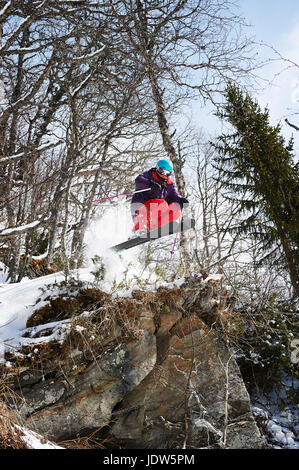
{"points": [[152, 370]]}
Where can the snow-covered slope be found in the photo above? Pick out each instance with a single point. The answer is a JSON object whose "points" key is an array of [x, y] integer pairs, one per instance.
{"points": [[17, 301]]}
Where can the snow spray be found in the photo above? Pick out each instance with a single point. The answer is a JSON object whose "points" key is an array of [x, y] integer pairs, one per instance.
{"points": [[113, 227]]}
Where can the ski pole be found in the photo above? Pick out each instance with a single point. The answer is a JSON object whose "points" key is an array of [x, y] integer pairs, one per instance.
{"points": [[119, 195], [173, 246]]}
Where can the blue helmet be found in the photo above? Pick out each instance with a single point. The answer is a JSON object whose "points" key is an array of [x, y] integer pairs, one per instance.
{"points": [[164, 168]]}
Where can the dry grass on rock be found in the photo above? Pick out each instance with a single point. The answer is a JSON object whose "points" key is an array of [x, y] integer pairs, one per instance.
{"points": [[11, 437]]}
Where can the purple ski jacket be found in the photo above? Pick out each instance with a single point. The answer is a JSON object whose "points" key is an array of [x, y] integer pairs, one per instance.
{"points": [[167, 192]]}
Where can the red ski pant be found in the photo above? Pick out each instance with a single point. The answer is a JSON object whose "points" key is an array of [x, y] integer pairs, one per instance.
{"points": [[154, 213]]}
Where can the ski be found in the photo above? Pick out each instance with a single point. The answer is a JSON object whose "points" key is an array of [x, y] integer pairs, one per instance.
{"points": [[163, 231]]}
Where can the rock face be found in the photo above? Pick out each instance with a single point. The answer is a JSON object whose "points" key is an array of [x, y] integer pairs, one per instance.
{"points": [[161, 376]]}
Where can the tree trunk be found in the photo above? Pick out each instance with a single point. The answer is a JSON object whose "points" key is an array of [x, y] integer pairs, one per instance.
{"points": [[293, 269], [14, 261]]}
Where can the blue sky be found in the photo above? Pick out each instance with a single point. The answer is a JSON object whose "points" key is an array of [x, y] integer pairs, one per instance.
{"points": [[276, 23], [271, 19]]}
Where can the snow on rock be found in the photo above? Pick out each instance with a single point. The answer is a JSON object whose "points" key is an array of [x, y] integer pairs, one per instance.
{"points": [[279, 435], [17, 303], [35, 441], [282, 435]]}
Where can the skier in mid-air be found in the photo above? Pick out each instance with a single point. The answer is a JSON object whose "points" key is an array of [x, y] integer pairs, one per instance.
{"points": [[161, 203]]}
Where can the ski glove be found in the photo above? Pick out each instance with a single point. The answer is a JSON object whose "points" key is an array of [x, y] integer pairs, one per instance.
{"points": [[184, 201], [155, 186]]}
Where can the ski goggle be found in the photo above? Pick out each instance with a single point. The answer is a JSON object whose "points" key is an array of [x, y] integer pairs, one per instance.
{"points": [[164, 172]]}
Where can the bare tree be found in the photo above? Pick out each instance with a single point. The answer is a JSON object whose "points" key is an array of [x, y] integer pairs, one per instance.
{"points": [[186, 47], [214, 246], [62, 86], [82, 78], [38, 71]]}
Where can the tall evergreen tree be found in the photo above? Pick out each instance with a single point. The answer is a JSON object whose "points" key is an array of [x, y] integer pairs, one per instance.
{"points": [[257, 167]]}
